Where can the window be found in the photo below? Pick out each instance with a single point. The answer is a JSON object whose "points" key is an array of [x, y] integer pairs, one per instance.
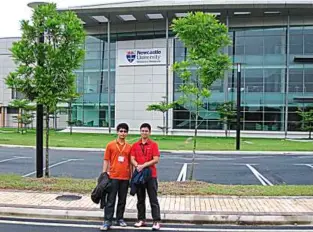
{"points": [[11, 110]]}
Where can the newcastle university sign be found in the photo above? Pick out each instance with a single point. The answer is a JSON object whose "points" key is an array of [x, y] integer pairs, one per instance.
{"points": [[132, 57]]}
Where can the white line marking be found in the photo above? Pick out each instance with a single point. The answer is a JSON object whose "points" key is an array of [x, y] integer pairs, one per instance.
{"points": [[53, 165], [309, 165], [259, 176], [15, 158], [183, 173], [51, 224]]}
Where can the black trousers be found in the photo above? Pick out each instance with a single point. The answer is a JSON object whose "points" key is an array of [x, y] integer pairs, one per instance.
{"points": [[152, 189], [120, 188]]}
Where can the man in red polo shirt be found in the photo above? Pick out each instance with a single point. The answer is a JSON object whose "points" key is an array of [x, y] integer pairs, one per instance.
{"points": [[145, 154]]}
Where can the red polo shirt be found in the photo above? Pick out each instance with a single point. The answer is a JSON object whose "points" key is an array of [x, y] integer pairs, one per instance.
{"points": [[144, 153]]}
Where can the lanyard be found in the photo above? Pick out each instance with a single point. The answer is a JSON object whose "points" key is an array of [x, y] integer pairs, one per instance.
{"points": [[144, 151], [118, 148]]}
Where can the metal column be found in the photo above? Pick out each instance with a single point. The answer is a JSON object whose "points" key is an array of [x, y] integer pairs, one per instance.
{"points": [[39, 125], [226, 73], [287, 77], [238, 106], [166, 76], [109, 75]]}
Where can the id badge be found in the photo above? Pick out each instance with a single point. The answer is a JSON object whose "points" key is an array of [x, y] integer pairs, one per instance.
{"points": [[121, 159]]}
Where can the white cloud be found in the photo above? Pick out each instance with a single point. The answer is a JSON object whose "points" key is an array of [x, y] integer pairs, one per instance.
{"points": [[13, 11]]}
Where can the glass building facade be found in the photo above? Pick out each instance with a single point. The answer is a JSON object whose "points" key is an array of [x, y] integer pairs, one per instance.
{"points": [[93, 85], [92, 109], [270, 82], [271, 78]]}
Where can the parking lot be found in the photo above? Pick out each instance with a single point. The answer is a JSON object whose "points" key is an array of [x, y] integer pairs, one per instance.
{"points": [[219, 169]]}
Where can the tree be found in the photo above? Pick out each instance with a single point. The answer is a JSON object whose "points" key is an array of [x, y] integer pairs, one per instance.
{"points": [[307, 120], [204, 56], [24, 117], [227, 114], [162, 107], [69, 100], [44, 72]]}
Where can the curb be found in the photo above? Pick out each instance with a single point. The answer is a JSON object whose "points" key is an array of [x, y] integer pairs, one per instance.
{"points": [[216, 218], [178, 151]]}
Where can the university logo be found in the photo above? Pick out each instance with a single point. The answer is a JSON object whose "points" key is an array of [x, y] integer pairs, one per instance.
{"points": [[130, 56]]}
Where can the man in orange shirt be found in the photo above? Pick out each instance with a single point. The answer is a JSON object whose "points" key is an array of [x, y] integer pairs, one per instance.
{"points": [[117, 164]]}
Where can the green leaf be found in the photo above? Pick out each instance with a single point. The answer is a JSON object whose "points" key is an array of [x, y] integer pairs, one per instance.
{"points": [[44, 71]]}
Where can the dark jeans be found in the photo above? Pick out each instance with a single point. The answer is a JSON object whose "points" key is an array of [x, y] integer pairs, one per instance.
{"points": [[120, 188], [152, 189]]}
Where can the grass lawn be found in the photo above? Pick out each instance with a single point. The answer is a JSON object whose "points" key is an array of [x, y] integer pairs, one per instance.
{"points": [[165, 188], [59, 139]]}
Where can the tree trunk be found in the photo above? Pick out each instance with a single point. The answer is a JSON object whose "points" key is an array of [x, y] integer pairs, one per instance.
{"points": [[22, 125], [310, 134], [164, 129], [47, 143], [55, 120], [194, 147], [18, 120]]}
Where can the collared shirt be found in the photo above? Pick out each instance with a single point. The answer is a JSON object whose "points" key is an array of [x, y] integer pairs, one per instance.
{"points": [[118, 156], [144, 153]]}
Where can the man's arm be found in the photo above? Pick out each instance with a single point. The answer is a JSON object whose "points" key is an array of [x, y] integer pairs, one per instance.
{"points": [[155, 159], [106, 159], [133, 161], [105, 166]]}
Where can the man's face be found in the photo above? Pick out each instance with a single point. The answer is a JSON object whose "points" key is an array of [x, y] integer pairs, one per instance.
{"points": [[122, 133], [145, 132]]}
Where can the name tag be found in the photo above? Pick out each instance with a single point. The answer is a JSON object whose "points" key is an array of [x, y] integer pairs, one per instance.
{"points": [[121, 159]]}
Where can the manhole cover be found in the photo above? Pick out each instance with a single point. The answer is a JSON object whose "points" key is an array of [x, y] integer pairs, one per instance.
{"points": [[68, 198]]}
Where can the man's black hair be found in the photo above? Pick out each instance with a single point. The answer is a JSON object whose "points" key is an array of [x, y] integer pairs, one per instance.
{"points": [[145, 125], [122, 126]]}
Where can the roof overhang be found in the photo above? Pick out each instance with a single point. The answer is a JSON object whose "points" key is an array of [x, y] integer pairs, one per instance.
{"points": [[168, 8]]}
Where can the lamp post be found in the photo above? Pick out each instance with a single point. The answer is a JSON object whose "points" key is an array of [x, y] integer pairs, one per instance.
{"points": [[39, 111], [238, 105]]}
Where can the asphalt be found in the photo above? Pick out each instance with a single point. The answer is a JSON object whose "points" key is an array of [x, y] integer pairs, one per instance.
{"points": [[244, 169], [35, 225]]}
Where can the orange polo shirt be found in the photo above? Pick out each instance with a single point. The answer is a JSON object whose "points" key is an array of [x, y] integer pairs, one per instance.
{"points": [[118, 156]]}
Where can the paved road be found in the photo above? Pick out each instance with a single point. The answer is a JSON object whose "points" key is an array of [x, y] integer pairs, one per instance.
{"points": [[33, 225], [222, 169]]}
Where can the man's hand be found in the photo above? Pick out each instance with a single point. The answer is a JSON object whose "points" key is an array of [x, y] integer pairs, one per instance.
{"points": [[140, 167]]}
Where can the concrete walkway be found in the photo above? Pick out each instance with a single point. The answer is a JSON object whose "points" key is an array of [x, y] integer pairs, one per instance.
{"points": [[208, 209]]}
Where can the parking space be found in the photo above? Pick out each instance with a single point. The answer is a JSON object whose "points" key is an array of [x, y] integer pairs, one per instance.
{"points": [[225, 173], [222, 169], [17, 163], [291, 174]]}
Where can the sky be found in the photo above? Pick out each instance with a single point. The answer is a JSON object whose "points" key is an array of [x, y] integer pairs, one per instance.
{"points": [[12, 11]]}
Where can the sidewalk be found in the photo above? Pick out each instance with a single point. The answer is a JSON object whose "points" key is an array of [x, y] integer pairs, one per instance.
{"points": [[177, 151], [196, 209]]}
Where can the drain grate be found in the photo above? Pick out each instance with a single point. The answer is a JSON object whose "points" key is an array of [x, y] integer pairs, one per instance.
{"points": [[68, 198]]}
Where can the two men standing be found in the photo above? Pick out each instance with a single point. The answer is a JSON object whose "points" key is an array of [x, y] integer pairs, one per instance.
{"points": [[119, 160]]}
